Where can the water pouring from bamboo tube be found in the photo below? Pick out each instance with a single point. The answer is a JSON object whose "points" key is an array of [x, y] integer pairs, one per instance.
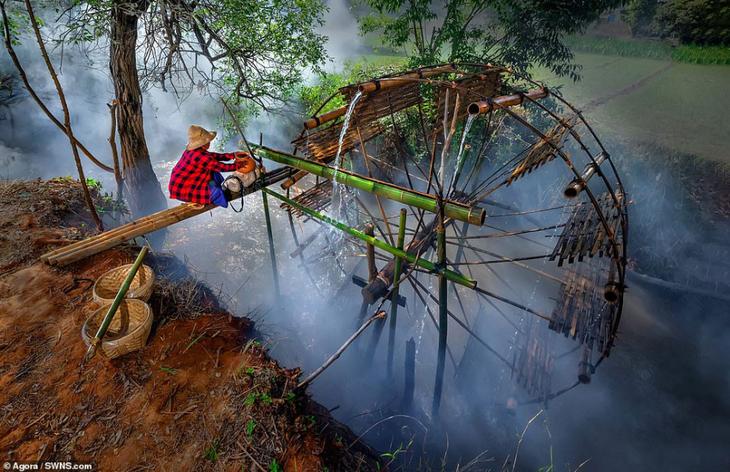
{"points": [[106, 321]]}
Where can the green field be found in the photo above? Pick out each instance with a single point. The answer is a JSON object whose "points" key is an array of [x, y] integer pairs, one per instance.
{"points": [[684, 108]]}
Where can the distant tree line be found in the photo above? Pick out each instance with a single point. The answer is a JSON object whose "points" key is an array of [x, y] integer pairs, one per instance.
{"points": [[705, 22]]}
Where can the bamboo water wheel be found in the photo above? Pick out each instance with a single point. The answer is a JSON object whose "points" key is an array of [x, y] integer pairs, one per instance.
{"points": [[550, 257]]}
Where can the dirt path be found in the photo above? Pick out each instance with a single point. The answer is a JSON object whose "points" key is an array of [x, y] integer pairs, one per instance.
{"points": [[631, 88]]}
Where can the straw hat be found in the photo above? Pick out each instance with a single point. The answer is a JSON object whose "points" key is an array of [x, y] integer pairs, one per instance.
{"points": [[198, 136]]}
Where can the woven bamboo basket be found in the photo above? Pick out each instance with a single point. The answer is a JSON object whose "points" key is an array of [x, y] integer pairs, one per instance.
{"points": [[127, 332], [107, 286]]}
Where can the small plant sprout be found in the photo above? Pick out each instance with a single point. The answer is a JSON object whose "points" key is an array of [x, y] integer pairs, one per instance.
{"points": [[250, 426], [212, 452], [250, 399]]}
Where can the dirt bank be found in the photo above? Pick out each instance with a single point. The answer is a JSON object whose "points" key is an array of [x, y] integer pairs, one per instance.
{"points": [[202, 395]]}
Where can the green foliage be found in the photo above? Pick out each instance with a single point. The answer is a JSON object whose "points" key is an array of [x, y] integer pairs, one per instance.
{"points": [[393, 455], [250, 399], [639, 15], [621, 47], [250, 426], [168, 370], [650, 48], [252, 52], [705, 22], [265, 399], [93, 184], [327, 83], [17, 21], [274, 466], [695, 54], [518, 33], [311, 419], [212, 452]]}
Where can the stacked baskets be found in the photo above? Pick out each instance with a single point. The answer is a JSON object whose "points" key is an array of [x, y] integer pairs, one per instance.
{"points": [[131, 325]]}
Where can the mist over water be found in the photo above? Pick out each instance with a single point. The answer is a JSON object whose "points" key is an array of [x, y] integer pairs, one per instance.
{"points": [[661, 401]]}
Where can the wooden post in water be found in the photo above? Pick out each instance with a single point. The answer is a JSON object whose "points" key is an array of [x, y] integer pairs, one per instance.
{"points": [[370, 250], [270, 235], [394, 292], [369, 230], [410, 375], [443, 315]]}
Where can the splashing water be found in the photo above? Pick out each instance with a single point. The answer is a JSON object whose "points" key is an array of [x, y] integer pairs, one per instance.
{"points": [[339, 191], [460, 155]]}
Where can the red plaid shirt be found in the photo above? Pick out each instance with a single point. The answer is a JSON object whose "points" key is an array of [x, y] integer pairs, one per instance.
{"points": [[192, 173]]}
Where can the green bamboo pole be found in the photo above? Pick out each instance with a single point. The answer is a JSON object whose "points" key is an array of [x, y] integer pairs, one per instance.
{"points": [[115, 305], [394, 291], [423, 263], [443, 317], [424, 201], [269, 232], [272, 253]]}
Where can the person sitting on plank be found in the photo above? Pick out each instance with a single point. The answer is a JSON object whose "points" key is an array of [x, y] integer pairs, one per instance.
{"points": [[196, 177]]}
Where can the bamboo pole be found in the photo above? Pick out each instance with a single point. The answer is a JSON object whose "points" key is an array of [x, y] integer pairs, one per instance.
{"points": [[577, 185], [443, 316], [133, 227], [394, 293], [424, 201], [370, 252], [584, 366], [410, 258], [377, 316], [612, 289], [269, 232], [485, 106], [113, 232], [315, 121], [68, 258], [272, 251], [384, 84], [93, 345]]}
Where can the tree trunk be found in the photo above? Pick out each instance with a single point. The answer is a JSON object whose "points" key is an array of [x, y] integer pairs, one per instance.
{"points": [[144, 193]]}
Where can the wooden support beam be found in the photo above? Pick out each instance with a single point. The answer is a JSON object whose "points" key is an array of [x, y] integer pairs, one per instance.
{"points": [[377, 316], [443, 316], [395, 292], [370, 251]]}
